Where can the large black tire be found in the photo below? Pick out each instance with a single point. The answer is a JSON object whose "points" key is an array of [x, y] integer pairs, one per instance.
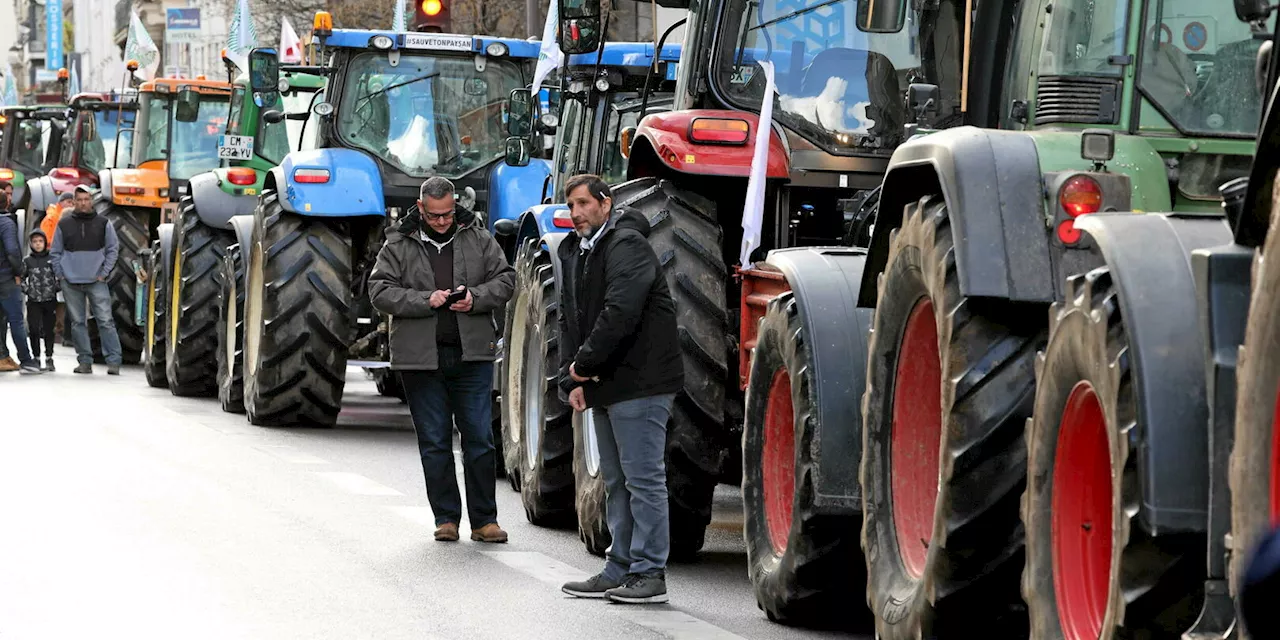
{"points": [[156, 330], [297, 321], [509, 384], [540, 420], [805, 565], [133, 231], [951, 495], [688, 240], [588, 481], [1083, 478], [191, 363], [230, 354]]}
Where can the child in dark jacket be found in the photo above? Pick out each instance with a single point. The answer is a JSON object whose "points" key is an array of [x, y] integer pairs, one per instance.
{"points": [[41, 287]]}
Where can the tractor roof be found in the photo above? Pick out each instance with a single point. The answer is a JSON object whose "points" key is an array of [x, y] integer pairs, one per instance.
{"points": [[173, 85], [300, 80], [443, 42]]}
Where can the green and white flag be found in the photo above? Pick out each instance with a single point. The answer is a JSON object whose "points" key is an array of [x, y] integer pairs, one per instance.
{"points": [[139, 45], [10, 96], [398, 18], [242, 37]]}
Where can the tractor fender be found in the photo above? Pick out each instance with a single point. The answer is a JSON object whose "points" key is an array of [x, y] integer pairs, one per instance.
{"points": [[354, 187], [42, 195], [662, 140], [105, 182], [512, 190], [993, 187], [242, 226], [552, 243], [536, 222], [825, 282], [164, 233], [215, 206], [1149, 256]]}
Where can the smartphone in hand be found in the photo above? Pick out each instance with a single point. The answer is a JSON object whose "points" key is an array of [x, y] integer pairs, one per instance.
{"points": [[457, 296]]}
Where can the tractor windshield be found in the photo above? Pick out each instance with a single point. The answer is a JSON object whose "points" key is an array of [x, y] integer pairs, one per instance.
{"points": [[277, 139], [30, 139], [429, 114], [1197, 67], [837, 86], [191, 147]]}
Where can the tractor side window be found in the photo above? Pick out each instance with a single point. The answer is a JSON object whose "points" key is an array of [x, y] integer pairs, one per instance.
{"points": [[1080, 36], [613, 167], [237, 110], [29, 150], [572, 151]]}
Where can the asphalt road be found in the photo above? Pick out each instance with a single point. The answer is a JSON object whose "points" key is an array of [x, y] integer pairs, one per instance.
{"points": [[128, 512]]}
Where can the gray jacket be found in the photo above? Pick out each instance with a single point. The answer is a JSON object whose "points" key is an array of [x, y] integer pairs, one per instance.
{"points": [[402, 282], [85, 248]]}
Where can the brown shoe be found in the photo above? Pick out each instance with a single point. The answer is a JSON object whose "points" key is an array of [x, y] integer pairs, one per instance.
{"points": [[8, 364], [447, 532], [489, 533]]}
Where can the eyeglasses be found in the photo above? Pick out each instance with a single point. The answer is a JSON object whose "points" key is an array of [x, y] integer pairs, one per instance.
{"points": [[438, 216]]}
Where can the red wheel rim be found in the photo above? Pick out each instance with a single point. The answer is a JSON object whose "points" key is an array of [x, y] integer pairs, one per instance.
{"points": [[916, 437], [779, 461], [1081, 516], [1274, 474]]}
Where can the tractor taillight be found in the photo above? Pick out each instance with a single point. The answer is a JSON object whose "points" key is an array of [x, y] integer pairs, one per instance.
{"points": [[129, 191], [561, 219], [1080, 195], [6, 174], [311, 176], [719, 131], [242, 176]]}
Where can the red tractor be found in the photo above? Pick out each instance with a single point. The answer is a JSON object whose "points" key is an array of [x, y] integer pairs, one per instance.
{"points": [[94, 119]]}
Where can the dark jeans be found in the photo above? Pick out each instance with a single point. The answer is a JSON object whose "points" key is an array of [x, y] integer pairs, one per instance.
{"points": [[42, 316], [11, 303], [456, 393]]}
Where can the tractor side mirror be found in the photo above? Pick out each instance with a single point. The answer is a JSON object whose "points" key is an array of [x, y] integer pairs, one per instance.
{"points": [[881, 16], [88, 132], [922, 100], [517, 151], [187, 105], [624, 141], [264, 71], [1252, 10], [520, 114], [273, 116], [579, 26], [115, 156]]}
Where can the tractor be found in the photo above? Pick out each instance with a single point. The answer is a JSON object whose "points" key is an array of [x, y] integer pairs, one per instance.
{"points": [[30, 141], [398, 108], [93, 119], [174, 138], [190, 256]]}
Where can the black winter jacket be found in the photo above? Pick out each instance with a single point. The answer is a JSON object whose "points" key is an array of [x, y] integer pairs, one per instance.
{"points": [[38, 280], [619, 319]]}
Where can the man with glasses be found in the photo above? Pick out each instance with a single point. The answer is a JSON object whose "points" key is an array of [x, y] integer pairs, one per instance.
{"points": [[441, 277]]}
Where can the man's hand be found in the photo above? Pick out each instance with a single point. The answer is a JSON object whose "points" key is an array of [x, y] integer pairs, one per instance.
{"points": [[463, 305], [17, 280], [438, 298], [578, 400], [101, 279]]}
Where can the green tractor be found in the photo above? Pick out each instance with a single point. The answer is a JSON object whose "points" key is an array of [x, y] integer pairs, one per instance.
{"points": [[30, 142], [190, 291]]}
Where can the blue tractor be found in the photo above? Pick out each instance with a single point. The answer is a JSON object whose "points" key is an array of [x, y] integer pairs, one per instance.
{"points": [[398, 108]]}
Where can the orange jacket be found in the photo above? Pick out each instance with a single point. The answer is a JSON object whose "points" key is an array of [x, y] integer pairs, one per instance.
{"points": [[52, 215]]}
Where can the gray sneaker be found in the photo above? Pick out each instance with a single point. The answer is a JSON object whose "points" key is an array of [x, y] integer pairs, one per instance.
{"points": [[30, 369], [646, 588], [48, 364], [113, 369], [593, 587]]}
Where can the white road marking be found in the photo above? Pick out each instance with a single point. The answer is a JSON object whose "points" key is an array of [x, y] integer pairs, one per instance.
{"points": [[419, 515], [663, 619], [289, 454], [357, 484]]}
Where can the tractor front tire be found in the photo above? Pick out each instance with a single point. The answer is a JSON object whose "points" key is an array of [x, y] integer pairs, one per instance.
{"points": [[588, 481], [133, 233], [157, 324], [230, 354], [297, 320], [198, 250]]}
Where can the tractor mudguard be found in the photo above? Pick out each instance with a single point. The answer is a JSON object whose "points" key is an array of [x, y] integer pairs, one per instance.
{"points": [[1149, 256], [536, 222], [164, 233], [553, 248], [663, 139], [105, 182], [512, 190], [42, 195], [215, 206], [242, 225], [825, 282], [994, 191], [354, 186]]}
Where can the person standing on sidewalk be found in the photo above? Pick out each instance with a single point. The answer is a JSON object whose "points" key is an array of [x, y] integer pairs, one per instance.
{"points": [[620, 359], [11, 297], [41, 287], [7, 362], [444, 349], [84, 252]]}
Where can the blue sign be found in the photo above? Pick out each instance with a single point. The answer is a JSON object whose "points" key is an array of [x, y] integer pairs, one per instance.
{"points": [[181, 25], [53, 34], [1195, 36]]}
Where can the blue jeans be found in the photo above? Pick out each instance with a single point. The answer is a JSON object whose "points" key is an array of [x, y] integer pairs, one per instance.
{"points": [[633, 444], [456, 393], [11, 305], [99, 296]]}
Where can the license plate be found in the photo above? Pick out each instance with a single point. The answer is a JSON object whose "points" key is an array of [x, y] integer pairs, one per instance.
{"points": [[437, 41], [235, 147]]}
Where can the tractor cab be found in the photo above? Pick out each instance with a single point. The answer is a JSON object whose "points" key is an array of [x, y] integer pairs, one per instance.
{"points": [[31, 140], [263, 127], [175, 137], [93, 122]]}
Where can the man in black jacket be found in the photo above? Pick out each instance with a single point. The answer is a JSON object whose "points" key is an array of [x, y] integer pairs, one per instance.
{"points": [[620, 360]]}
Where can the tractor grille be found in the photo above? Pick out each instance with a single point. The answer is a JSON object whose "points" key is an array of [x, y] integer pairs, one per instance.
{"points": [[1077, 100]]}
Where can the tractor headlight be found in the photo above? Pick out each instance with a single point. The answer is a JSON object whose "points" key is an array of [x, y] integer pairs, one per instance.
{"points": [[381, 42], [496, 49], [602, 84], [323, 109]]}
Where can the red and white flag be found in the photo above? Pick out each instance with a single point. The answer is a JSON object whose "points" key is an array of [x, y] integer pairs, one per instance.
{"points": [[290, 45]]}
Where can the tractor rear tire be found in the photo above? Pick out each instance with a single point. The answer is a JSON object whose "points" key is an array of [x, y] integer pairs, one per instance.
{"points": [[297, 320], [133, 233], [593, 527], [686, 235], [230, 354], [544, 453], [950, 385], [1091, 567], [388, 383], [198, 250], [805, 565], [157, 327]]}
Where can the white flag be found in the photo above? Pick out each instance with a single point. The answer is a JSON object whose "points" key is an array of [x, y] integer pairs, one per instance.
{"points": [[242, 36], [290, 45], [139, 46], [753, 210], [549, 56], [398, 18], [73, 83], [9, 97]]}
